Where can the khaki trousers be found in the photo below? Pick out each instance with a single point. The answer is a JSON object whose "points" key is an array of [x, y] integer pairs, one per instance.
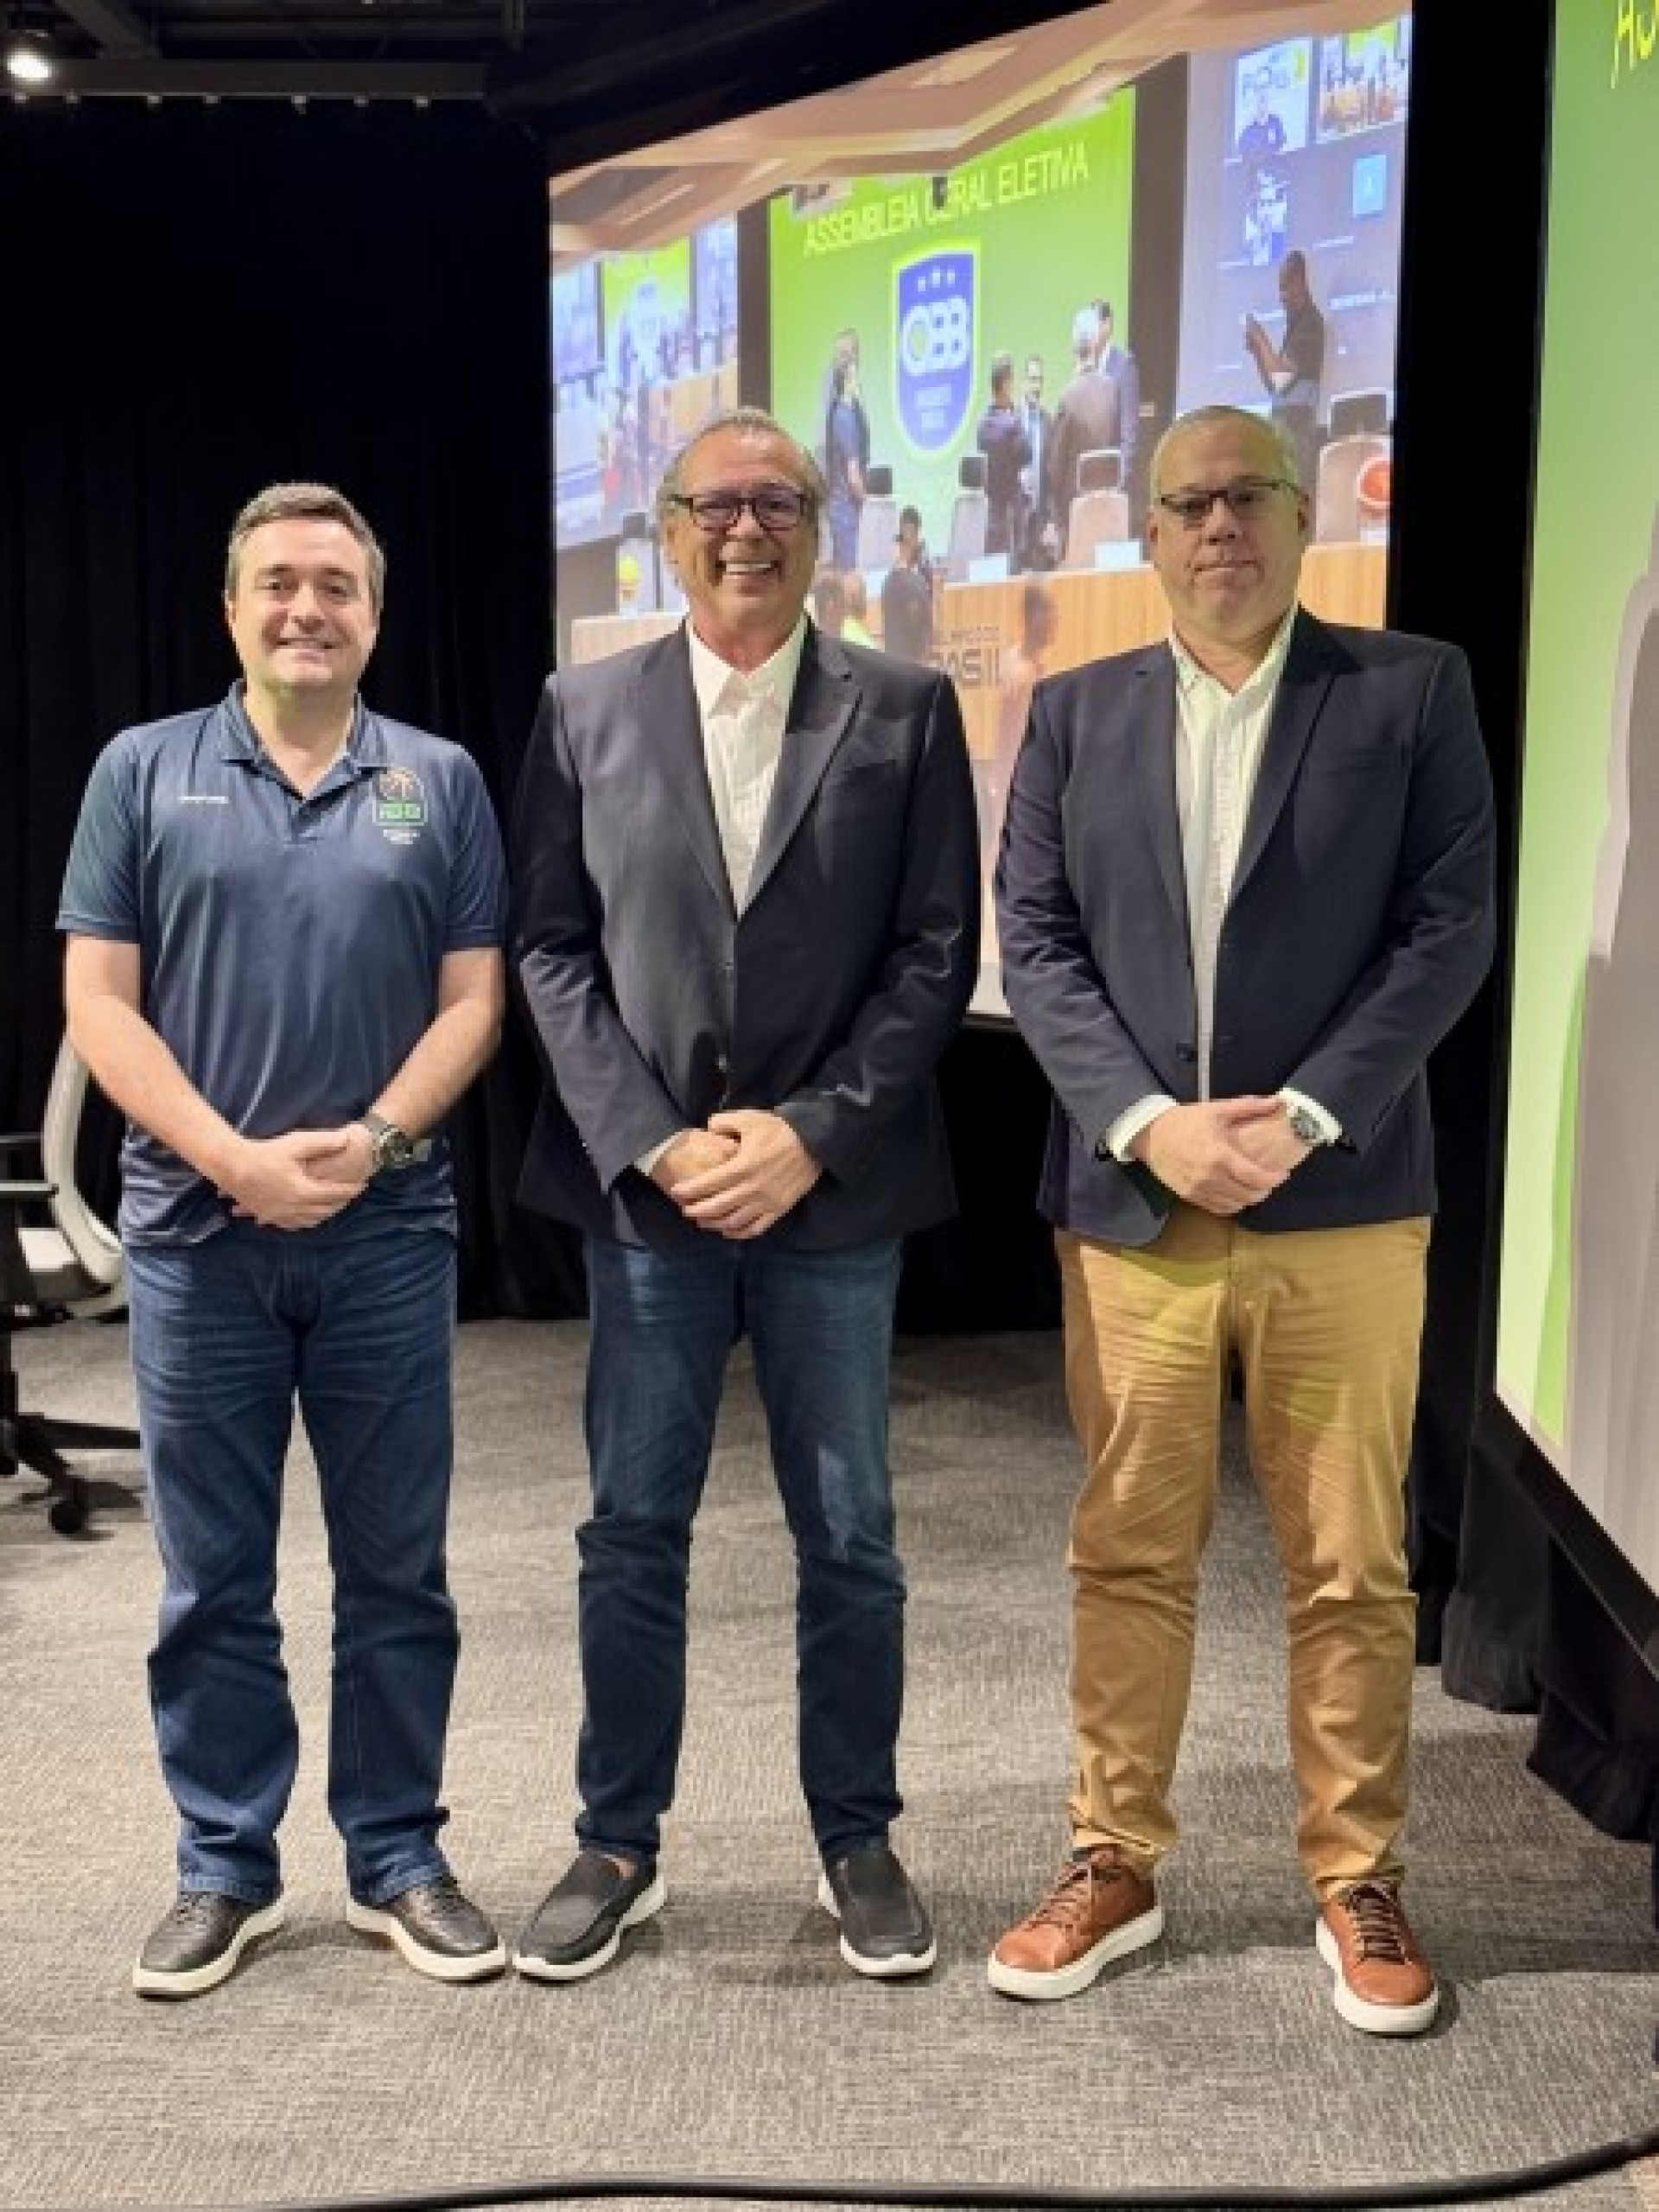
{"points": [[1326, 1326]]}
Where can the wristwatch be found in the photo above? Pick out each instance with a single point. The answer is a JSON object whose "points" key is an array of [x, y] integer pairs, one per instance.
{"points": [[390, 1147], [1303, 1124]]}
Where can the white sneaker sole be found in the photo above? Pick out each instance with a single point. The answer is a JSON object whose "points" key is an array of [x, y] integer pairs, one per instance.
{"points": [[148, 1983], [893, 1968], [436, 1966], [1072, 1980], [1359, 2012], [645, 1906]]}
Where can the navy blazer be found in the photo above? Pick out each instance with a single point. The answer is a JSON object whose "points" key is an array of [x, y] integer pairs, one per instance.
{"points": [[1359, 927], [830, 999]]}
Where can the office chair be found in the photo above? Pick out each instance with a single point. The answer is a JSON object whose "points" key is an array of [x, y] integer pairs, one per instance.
{"points": [[639, 565], [1099, 507], [1341, 510], [70, 1267], [877, 519], [970, 516]]}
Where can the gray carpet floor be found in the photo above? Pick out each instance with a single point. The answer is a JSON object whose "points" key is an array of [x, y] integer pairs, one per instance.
{"points": [[729, 2044]]}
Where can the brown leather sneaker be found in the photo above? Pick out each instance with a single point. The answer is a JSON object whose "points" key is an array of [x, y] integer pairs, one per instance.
{"points": [[1097, 1910], [1382, 1982]]}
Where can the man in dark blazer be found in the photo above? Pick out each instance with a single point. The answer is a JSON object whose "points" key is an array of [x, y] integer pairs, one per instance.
{"points": [[746, 927], [1245, 888], [1088, 418]]}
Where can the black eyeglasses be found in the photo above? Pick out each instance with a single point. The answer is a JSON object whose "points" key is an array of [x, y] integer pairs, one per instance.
{"points": [[1246, 500], [775, 506]]}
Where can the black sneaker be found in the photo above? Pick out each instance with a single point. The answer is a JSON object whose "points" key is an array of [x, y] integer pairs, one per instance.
{"points": [[885, 1930], [578, 1924], [197, 1945], [439, 1930]]}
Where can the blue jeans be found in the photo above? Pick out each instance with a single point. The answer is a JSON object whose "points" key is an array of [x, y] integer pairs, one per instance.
{"points": [[355, 1320], [661, 1326]]}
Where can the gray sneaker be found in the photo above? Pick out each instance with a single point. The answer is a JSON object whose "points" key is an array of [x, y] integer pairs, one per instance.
{"points": [[438, 1930], [578, 1925], [198, 1944]]}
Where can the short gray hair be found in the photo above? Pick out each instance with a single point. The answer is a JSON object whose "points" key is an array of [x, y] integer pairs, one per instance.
{"points": [[305, 503], [1210, 418], [750, 422]]}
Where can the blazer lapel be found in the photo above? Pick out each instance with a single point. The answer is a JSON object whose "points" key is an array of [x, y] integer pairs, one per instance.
{"points": [[672, 735], [1153, 726], [1302, 691], [825, 694]]}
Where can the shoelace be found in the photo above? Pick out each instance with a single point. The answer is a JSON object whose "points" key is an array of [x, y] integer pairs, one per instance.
{"points": [[1070, 1900], [193, 1904], [441, 1896], [1378, 1922]]}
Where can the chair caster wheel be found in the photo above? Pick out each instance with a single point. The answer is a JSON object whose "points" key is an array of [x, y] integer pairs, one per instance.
{"points": [[68, 1516]]}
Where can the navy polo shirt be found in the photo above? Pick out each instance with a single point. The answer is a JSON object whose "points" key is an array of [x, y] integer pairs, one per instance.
{"points": [[289, 947]]}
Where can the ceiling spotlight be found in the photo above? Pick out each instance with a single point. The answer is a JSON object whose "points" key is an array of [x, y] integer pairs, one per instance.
{"points": [[29, 59]]}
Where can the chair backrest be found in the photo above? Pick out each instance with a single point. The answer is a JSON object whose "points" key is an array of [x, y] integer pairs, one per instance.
{"points": [[1100, 469], [970, 516], [878, 526], [638, 573], [1354, 412], [1338, 513], [1095, 518], [96, 1246]]}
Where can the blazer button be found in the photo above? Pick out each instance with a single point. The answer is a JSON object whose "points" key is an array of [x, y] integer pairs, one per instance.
{"points": [[1186, 1054]]}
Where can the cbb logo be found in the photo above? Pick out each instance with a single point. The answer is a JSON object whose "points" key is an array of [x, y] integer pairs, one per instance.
{"points": [[934, 303], [936, 335]]}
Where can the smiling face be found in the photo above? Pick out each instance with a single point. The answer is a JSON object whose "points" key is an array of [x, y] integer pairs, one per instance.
{"points": [[745, 586], [302, 612], [1229, 582]]}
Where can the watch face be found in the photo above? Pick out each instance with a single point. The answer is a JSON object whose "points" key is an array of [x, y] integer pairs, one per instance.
{"points": [[394, 1148], [1303, 1125]]}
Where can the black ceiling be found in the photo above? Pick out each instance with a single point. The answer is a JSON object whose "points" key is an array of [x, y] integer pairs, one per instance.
{"points": [[567, 67]]}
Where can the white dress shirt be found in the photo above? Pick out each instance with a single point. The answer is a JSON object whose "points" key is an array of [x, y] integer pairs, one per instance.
{"points": [[743, 718], [1220, 737]]}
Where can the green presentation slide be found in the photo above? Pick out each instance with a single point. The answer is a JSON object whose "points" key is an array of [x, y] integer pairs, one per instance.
{"points": [[1578, 1323], [937, 276]]}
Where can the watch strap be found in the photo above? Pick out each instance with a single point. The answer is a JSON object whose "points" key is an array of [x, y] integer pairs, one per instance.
{"points": [[393, 1146]]}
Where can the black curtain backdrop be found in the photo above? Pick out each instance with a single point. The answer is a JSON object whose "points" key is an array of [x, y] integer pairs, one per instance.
{"points": [[204, 300], [200, 301]]}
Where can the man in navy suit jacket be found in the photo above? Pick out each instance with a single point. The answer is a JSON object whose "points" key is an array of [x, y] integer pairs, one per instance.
{"points": [[746, 926], [1245, 888]]}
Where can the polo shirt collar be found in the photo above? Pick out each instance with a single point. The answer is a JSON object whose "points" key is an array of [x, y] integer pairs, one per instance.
{"points": [[366, 748]]}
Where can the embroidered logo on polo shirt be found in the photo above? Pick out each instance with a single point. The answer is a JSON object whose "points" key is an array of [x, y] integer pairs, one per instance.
{"points": [[399, 804]]}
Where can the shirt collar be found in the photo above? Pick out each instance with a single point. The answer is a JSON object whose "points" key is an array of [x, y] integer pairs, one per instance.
{"points": [[365, 748], [1189, 675], [775, 679]]}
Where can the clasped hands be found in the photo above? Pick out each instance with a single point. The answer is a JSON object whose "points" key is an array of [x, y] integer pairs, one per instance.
{"points": [[299, 1180], [1221, 1154], [739, 1175]]}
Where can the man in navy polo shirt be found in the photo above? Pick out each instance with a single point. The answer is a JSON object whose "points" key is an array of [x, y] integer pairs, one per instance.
{"points": [[283, 917]]}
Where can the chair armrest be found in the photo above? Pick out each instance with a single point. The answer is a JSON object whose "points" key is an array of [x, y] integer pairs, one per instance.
{"points": [[20, 1141], [17, 1194]]}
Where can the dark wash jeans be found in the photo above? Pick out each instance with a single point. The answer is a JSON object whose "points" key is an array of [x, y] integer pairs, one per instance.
{"points": [[354, 1321], [661, 1326]]}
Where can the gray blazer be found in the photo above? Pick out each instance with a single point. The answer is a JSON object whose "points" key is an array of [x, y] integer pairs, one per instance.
{"points": [[1360, 924], [829, 1000]]}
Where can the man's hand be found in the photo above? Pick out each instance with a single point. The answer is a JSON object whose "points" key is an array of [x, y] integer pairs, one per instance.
{"points": [[766, 1170], [690, 1155], [1274, 1146], [298, 1181], [1221, 1154]]}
